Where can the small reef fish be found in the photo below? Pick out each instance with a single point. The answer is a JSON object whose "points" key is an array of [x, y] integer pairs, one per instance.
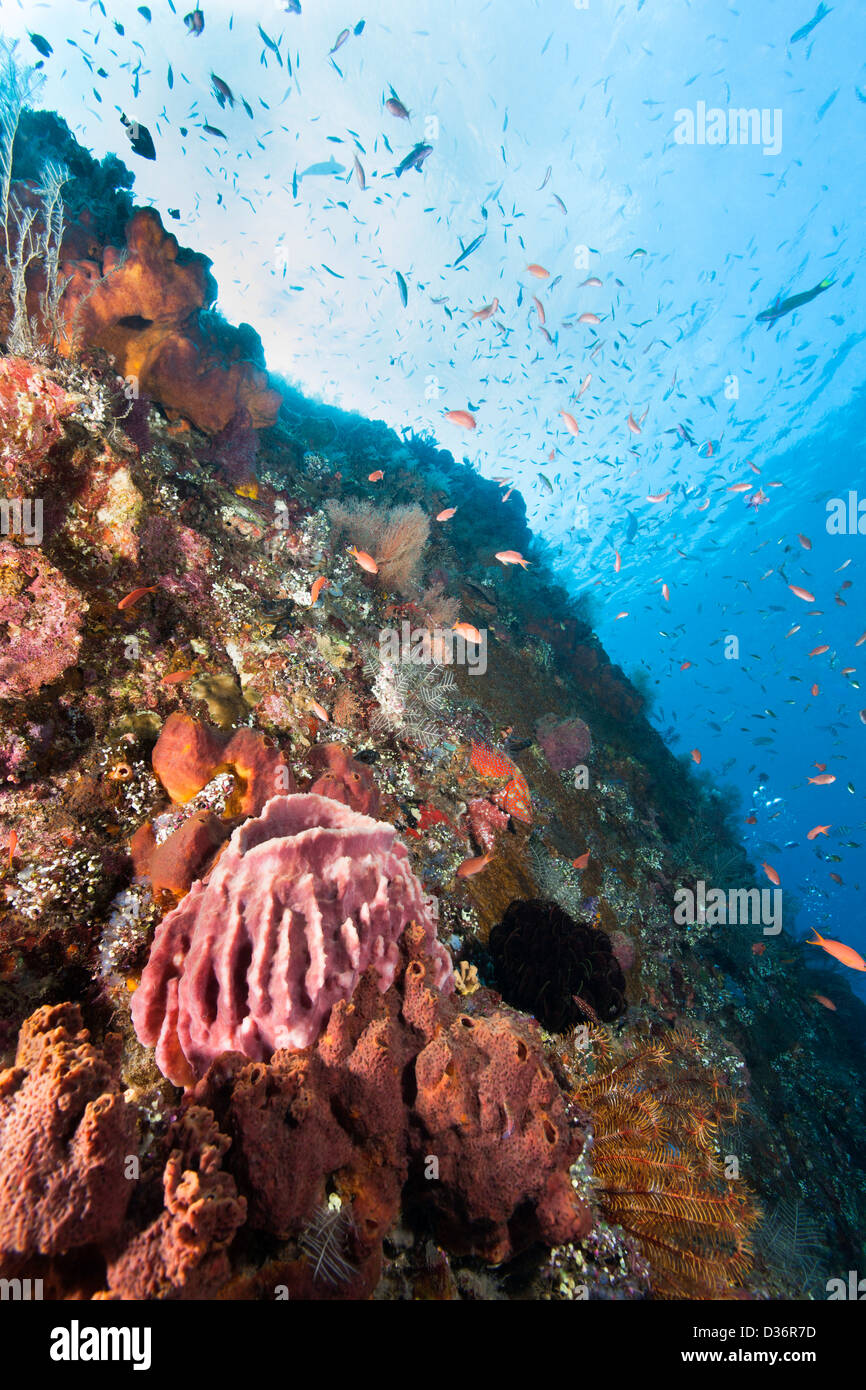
{"points": [[487, 311], [129, 599], [771, 873], [581, 861], [414, 159], [140, 138], [474, 866], [819, 651], [589, 318], [463, 418], [222, 91], [320, 712], [375, 477], [802, 593], [787, 306], [816, 831], [194, 21], [466, 251], [846, 955], [447, 514], [570, 423], [175, 677], [805, 29], [467, 631], [41, 45], [828, 1003], [538, 271], [511, 557], [396, 107], [822, 780], [318, 585], [696, 755], [13, 845], [364, 560]]}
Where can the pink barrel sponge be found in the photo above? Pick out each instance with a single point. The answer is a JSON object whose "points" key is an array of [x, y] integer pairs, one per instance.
{"points": [[302, 901]]}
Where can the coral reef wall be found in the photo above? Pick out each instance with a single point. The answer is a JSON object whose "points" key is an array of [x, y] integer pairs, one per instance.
{"points": [[240, 600]]}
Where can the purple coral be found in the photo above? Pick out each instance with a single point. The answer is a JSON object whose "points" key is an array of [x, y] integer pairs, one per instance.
{"points": [[566, 742], [40, 622], [302, 901]]}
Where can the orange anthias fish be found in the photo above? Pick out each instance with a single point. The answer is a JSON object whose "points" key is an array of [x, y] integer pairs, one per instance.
{"points": [[819, 651], [581, 861], [570, 423], [175, 677], [462, 417], [487, 311], [822, 780], [318, 585], [802, 593], [468, 632], [822, 999], [770, 872], [136, 594], [375, 477], [589, 318], [447, 514], [474, 866], [511, 557], [696, 755], [13, 845], [816, 831], [846, 955], [538, 271], [364, 560], [320, 712]]}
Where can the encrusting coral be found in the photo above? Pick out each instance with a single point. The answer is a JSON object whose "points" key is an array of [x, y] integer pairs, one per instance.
{"points": [[65, 1133], [183, 1253], [40, 622]]}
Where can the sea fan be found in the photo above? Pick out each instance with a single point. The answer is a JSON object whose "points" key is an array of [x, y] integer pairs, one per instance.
{"points": [[323, 1243], [655, 1109], [395, 537]]}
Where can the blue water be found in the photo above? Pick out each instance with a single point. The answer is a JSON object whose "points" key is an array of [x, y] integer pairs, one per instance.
{"points": [[690, 242]]}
